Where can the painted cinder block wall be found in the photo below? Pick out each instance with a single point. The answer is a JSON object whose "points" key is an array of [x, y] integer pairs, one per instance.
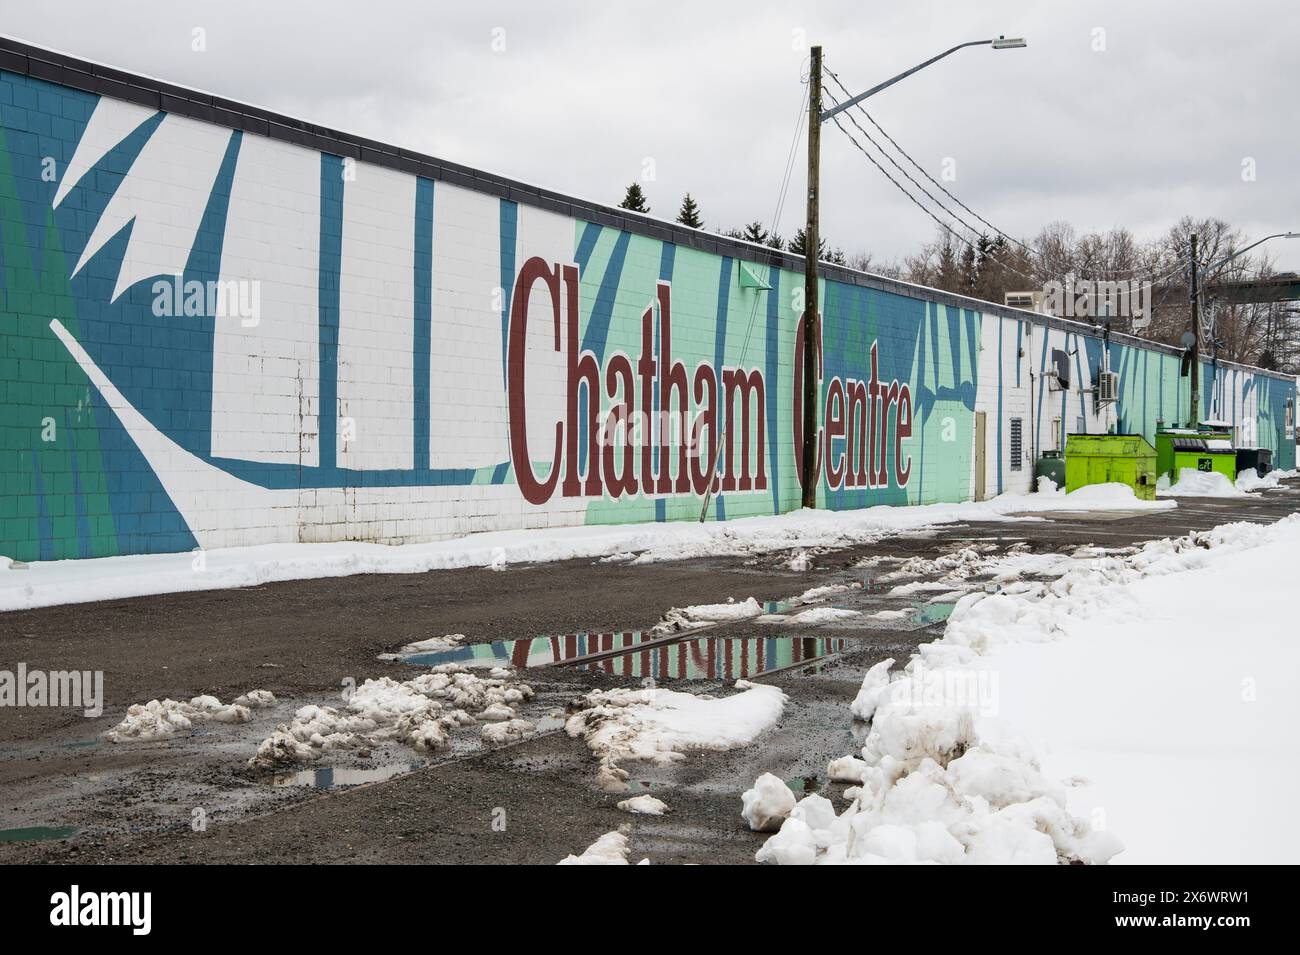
{"points": [[390, 348]]}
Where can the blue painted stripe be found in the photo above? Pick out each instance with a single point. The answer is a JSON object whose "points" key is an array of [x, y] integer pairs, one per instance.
{"points": [[719, 356], [603, 307], [508, 226], [422, 338], [772, 337], [330, 266], [586, 246], [667, 256]]}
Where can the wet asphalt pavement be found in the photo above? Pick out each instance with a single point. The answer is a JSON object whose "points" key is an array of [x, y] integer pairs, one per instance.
{"points": [[194, 799]]}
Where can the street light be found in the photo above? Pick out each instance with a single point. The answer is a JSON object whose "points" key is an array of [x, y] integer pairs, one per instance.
{"points": [[1194, 294], [812, 238]]}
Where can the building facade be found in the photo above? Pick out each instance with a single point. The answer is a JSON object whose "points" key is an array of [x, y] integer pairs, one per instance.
{"points": [[224, 327]]}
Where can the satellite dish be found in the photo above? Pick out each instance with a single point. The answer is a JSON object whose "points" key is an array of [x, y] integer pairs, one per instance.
{"points": [[1188, 339], [1061, 368]]}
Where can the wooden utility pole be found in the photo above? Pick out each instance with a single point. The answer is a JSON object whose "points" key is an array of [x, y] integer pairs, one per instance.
{"points": [[811, 246], [1194, 293]]}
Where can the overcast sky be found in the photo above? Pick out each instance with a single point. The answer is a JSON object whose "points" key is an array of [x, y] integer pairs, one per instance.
{"points": [[1118, 113]]}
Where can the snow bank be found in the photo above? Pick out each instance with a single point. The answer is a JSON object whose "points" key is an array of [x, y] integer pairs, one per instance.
{"points": [[45, 583], [165, 719], [661, 726], [419, 712], [948, 778]]}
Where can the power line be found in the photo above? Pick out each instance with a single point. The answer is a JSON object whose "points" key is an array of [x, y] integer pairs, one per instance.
{"points": [[1010, 238]]}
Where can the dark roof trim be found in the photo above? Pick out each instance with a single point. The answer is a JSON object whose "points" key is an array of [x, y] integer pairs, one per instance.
{"points": [[23, 58]]}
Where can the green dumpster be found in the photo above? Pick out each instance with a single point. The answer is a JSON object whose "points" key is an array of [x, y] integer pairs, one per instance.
{"points": [[1111, 459], [1211, 439], [1201, 453]]}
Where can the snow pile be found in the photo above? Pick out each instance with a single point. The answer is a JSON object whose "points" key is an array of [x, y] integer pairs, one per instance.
{"points": [[46, 583], [846, 769], [255, 699], [943, 780], [691, 618], [609, 849], [1112, 496], [661, 726], [165, 719], [1249, 480], [817, 594], [430, 645], [1193, 483], [644, 805], [766, 806], [817, 616], [419, 712], [506, 731]]}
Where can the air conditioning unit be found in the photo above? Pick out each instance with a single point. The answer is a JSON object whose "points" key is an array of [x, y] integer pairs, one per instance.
{"points": [[1107, 388], [1031, 301]]}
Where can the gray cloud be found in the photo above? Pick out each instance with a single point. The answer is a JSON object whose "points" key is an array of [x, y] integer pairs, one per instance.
{"points": [[1154, 127]]}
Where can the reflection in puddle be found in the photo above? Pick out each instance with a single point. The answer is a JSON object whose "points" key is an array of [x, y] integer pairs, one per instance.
{"points": [[530, 653], [719, 658], [37, 833], [926, 614], [333, 777]]}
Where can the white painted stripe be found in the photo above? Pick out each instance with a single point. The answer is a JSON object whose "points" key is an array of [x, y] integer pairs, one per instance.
{"points": [[465, 367], [376, 395], [265, 372]]}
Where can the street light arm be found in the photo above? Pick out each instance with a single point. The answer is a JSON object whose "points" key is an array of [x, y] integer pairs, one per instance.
{"points": [[1240, 252], [827, 114]]}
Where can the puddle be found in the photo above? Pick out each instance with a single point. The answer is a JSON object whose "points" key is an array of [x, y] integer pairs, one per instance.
{"points": [[37, 833], [335, 777], [719, 658], [927, 614], [530, 653]]}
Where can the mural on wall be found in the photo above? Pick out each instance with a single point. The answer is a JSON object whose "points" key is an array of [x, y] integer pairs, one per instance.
{"points": [[209, 338]]}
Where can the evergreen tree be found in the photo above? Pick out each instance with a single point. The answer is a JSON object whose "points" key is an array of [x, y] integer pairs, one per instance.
{"points": [[797, 245], [947, 273], [689, 214], [754, 232], [634, 199]]}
